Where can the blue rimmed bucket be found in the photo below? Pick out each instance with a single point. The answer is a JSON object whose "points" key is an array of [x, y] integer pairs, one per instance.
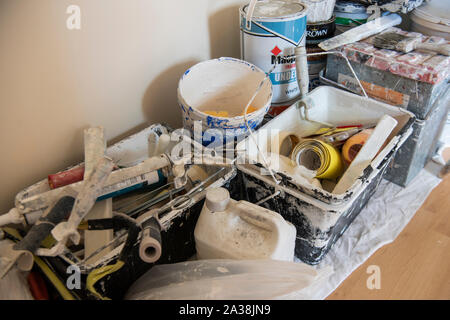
{"points": [[223, 85]]}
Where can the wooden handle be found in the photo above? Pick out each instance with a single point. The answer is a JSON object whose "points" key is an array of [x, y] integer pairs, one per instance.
{"points": [[443, 49]]}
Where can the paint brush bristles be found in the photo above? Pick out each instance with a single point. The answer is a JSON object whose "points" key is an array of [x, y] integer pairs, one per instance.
{"points": [[389, 40], [398, 42]]}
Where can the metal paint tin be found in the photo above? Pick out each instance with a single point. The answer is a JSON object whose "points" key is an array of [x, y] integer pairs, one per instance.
{"points": [[315, 65], [350, 14], [319, 31], [315, 33], [272, 39]]}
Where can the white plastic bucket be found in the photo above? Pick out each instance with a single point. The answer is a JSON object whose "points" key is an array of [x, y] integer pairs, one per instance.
{"points": [[224, 84]]}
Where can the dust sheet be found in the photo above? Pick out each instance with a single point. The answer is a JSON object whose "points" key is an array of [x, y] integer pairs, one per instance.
{"points": [[387, 213]]}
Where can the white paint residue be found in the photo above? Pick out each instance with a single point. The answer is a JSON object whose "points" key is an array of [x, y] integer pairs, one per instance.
{"points": [[222, 269], [275, 9]]}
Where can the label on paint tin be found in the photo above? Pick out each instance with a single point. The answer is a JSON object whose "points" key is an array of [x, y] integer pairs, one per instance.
{"points": [[272, 40], [320, 30]]}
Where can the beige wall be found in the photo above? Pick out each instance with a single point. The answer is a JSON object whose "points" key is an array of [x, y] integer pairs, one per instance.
{"points": [[119, 71]]}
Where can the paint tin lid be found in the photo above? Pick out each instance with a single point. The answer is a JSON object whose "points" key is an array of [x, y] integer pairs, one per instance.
{"points": [[349, 7], [276, 9]]}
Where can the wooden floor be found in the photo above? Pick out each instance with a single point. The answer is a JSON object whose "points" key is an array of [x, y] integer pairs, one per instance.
{"points": [[417, 264]]}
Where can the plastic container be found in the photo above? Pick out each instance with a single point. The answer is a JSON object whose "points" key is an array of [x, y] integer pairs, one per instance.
{"points": [[319, 216], [414, 81], [432, 19], [224, 84], [229, 229]]}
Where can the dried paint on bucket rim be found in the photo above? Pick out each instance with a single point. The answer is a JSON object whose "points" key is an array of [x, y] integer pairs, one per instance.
{"points": [[223, 84]]}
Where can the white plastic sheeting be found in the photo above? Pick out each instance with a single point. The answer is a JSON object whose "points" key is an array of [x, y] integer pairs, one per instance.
{"points": [[389, 210], [14, 284], [223, 279]]}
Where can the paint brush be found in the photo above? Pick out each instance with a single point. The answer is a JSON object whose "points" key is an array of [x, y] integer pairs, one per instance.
{"points": [[363, 31], [399, 42]]}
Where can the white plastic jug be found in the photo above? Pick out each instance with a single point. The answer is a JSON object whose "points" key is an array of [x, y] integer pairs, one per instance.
{"points": [[229, 229]]}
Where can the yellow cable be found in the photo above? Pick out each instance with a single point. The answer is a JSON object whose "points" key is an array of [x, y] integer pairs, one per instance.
{"points": [[98, 274], [54, 279]]}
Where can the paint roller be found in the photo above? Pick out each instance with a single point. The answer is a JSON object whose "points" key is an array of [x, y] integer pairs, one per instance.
{"points": [[22, 252], [42, 228], [150, 247]]}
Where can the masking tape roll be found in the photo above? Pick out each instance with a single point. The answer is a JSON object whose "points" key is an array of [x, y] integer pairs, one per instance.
{"points": [[318, 155], [352, 146], [284, 142]]}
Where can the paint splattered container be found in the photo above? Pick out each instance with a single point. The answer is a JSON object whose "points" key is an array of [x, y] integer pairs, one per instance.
{"points": [[214, 93], [270, 37], [320, 217], [413, 81]]}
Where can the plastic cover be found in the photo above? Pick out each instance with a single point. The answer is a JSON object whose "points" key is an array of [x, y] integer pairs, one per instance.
{"points": [[228, 280]]}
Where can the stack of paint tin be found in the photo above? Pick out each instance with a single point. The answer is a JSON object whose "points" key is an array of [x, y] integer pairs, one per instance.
{"points": [[321, 26]]}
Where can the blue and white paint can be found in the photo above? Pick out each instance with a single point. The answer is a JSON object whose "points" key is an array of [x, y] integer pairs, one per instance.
{"points": [[270, 36]]}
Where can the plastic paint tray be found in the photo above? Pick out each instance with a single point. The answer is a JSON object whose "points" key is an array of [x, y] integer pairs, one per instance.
{"points": [[320, 216]]}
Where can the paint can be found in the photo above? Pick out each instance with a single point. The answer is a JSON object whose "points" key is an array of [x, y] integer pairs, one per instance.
{"points": [[271, 36], [216, 92], [349, 15], [317, 32]]}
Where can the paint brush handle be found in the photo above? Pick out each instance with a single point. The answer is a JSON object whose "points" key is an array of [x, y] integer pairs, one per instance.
{"points": [[302, 70], [443, 49]]}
